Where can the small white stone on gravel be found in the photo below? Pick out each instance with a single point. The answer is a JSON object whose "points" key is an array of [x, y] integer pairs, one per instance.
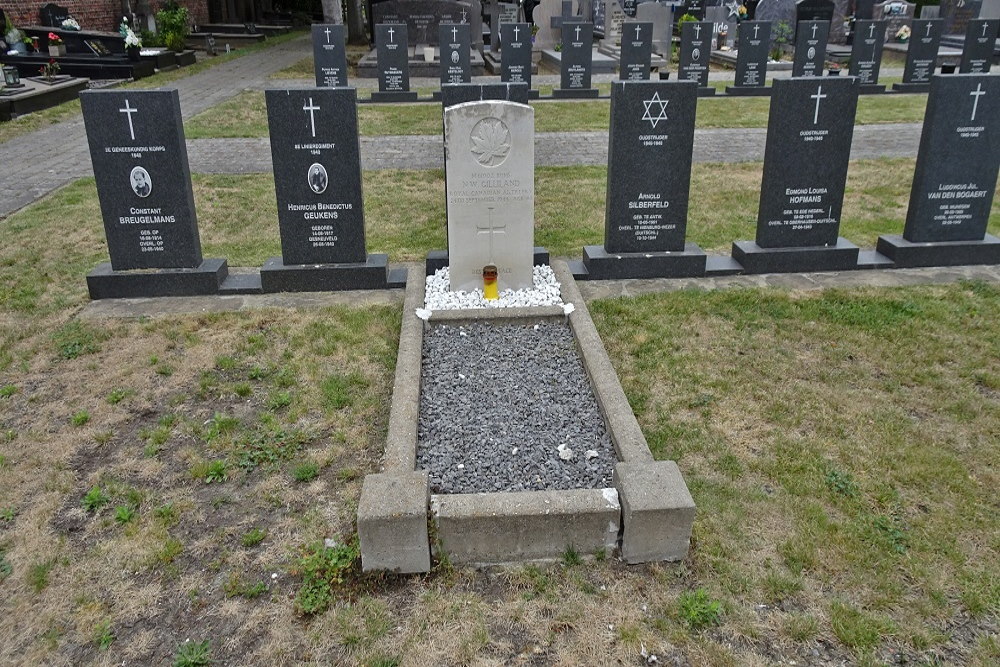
{"points": [[513, 451], [423, 314], [565, 453], [439, 297], [591, 454], [461, 466]]}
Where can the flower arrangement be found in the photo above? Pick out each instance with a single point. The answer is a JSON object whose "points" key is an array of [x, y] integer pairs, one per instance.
{"points": [[741, 13], [70, 24], [54, 39], [903, 33], [132, 40], [49, 69]]}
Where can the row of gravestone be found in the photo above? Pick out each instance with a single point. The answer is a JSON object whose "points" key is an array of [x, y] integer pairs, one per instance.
{"points": [[143, 181], [636, 52]]}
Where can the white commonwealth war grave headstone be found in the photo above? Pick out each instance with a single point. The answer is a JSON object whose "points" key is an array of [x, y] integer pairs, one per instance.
{"points": [[490, 170]]}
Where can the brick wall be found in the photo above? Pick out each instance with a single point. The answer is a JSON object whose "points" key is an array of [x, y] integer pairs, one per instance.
{"points": [[92, 14]]}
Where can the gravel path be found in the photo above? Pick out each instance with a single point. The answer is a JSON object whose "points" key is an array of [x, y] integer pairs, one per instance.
{"points": [[509, 408]]}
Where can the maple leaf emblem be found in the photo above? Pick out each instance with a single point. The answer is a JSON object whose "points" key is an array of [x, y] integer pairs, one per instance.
{"points": [[490, 142]]}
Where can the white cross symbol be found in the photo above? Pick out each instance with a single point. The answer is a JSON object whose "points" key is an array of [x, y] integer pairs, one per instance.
{"points": [[517, 29], [454, 34], [929, 25], [976, 94], [637, 28], [391, 31], [814, 29], [578, 33], [491, 229], [871, 30], [129, 111], [464, 14], [697, 30], [756, 27], [312, 118], [818, 96], [327, 31], [985, 25]]}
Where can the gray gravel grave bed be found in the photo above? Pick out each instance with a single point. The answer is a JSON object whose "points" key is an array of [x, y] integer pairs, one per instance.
{"points": [[488, 389]]}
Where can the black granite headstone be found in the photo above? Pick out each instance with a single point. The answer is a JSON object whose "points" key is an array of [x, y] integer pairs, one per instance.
{"points": [[52, 15], [652, 123], [810, 48], [809, 132], [864, 9], [515, 53], [695, 8], [421, 17], [866, 54], [754, 41], [316, 155], [393, 64], [329, 55], [637, 51], [814, 10], [576, 61], [977, 53], [955, 178], [696, 48], [458, 93], [630, 7], [140, 163], [921, 55], [456, 48]]}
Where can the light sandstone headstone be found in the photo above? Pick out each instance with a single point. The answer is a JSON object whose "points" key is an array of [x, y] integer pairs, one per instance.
{"points": [[490, 172]]}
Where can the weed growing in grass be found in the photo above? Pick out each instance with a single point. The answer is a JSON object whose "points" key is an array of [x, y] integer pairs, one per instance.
{"points": [[279, 400], [236, 587], [6, 569], [571, 556], [38, 574], [324, 568], [348, 474], [243, 389], [8, 390], [890, 530], [95, 499], [268, 445], [855, 628], [221, 425], [841, 483], [168, 552], [118, 395], [698, 610], [305, 472], [193, 654], [76, 339], [124, 514], [210, 471], [800, 627], [80, 418], [225, 363], [8, 513], [166, 370], [3, 459], [253, 538], [103, 636], [167, 514], [258, 373], [338, 390]]}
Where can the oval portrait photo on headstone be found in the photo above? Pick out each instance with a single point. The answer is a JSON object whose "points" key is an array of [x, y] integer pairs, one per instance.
{"points": [[140, 181], [318, 179], [454, 57], [695, 54]]}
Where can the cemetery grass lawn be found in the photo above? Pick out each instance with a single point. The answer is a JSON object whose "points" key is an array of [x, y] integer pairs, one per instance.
{"points": [[173, 477], [68, 110], [245, 115]]}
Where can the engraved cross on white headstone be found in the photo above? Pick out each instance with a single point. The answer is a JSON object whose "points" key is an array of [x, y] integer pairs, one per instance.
{"points": [[128, 110], [976, 94], [491, 229], [818, 96], [310, 107]]}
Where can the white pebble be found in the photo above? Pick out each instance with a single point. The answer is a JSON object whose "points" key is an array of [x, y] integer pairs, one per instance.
{"points": [[439, 297], [591, 454]]}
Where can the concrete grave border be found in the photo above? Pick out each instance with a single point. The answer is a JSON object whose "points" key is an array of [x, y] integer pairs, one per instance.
{"points": [[647, 514]]}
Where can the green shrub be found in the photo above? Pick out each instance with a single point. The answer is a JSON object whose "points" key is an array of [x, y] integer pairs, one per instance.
{"points": [[698, 610], [172, 24]]}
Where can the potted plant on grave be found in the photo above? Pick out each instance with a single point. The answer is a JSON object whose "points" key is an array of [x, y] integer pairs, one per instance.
{"points": [[49, 70], [57, 47], [133, 43], [172, 23]]}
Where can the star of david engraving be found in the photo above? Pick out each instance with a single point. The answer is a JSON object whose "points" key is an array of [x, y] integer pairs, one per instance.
{"points": [[661, 113]]}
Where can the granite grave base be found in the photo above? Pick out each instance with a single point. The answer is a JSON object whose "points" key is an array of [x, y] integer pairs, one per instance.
{"points": [[575, 93], [706, 91], [602, 265], [438, 259], [494, 65], [749, 91], [871, 89], [755, 259], [601, 63], [105, 283], [394, 96], [275, 276], [28, 98], [911, 87], [906, 254]]}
